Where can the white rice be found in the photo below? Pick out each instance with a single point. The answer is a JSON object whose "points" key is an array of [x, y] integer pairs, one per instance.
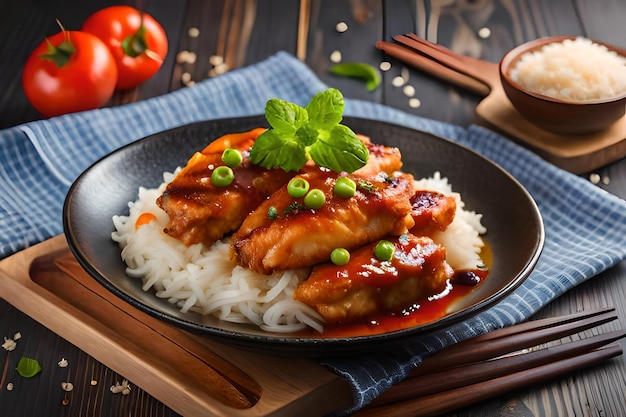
{"points": [[576, 70], [462, 237], [206, 281]]}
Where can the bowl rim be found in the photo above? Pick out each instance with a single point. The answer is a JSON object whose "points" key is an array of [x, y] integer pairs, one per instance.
{"points": [[505, 65]]}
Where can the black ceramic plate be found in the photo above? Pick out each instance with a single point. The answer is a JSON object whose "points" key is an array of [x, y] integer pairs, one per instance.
{"points": [[515, 229]]}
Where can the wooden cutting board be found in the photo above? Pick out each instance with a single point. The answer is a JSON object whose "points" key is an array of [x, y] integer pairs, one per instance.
{"points": [[575, 153], [189, 373]]}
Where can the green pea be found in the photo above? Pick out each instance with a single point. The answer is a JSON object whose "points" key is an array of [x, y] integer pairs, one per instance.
{"points": [[344, 187], [384, 250], [314, 199], [232, 157], [297, 187], [272, 213], [340, 256], [222, 176]]}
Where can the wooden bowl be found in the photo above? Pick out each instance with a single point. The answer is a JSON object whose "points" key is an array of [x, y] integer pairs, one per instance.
{"points": [[554, 114]]}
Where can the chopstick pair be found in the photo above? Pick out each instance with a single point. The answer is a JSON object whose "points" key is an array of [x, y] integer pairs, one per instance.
{"points": [[486, 366], [472, 74]]}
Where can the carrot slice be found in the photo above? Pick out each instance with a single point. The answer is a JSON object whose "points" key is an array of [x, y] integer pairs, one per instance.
{"points": [[144, 218]]}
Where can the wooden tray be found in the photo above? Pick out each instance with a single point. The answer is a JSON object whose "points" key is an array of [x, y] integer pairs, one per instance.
{"points": [[189, 373], [575, 153]]}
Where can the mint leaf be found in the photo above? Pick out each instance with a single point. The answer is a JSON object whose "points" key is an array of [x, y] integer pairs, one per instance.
{"points": [[275, 150], [284, 116], [298, 134], [325, 109], [338, 150]]}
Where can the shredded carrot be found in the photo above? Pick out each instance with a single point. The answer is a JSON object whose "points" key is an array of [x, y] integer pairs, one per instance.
{"points": [[144, 218]]}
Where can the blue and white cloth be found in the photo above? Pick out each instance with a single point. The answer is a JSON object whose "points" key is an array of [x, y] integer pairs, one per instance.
{"points": [[585, 226]]}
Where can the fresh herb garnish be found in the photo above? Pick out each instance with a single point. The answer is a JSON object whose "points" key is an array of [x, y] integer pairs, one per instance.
{"points": [[28, 367], [298, 134], [293, 207], [366, 185]]}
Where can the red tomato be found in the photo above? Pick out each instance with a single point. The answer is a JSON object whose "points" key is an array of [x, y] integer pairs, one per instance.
{"points": [[138, 44], [69, 72]]}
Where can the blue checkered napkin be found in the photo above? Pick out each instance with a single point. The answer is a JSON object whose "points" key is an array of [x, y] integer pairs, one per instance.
{"points": [[585, 235], [585, 226]]}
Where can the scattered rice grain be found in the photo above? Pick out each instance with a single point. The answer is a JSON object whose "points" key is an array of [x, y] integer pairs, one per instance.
{"points": [[341, 27]]}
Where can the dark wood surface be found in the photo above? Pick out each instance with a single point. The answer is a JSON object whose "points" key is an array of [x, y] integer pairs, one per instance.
{"points": [[245, 32]]}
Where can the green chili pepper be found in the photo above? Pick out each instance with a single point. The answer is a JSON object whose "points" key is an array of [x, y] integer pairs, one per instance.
{"points": [[358, 70]]}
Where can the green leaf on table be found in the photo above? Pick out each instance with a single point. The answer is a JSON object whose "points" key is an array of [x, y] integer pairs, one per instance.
{"points": [[28, 367], [359, 70], [314, 132]]}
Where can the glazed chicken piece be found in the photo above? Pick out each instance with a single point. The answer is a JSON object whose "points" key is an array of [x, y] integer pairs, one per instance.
{"points": [[300, 237], [201, 212], [366, 286], [432, 211], [382, 158]]}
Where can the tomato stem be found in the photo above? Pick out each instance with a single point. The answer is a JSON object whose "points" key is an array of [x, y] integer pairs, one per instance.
{"points": [[60, 54], [135, 44]]}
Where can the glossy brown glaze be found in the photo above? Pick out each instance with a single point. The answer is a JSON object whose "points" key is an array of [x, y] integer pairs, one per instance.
{"points": [[201, 212], [299, 236], [367, 286]]}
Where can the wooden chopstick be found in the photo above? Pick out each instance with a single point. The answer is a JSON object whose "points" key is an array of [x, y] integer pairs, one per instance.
{"points": [[433, 67], [544, 323], [481, 70], [446, 379], [507, 340], [476, 369], [450, 400]]}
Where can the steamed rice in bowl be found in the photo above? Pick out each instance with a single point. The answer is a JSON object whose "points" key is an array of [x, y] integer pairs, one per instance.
{"points": [[574, 70], [204, 280]]}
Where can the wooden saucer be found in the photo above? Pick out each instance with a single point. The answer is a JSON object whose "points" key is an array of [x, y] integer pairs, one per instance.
{"points": [[575, 153]]}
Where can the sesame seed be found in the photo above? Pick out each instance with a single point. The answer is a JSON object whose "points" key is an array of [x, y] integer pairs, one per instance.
{"points": [[216, 60], [193, 32], [341, 27], [221, 69], [397, 81], [484, 33], [191, 58], [335, 56], [385, 66], [414, 103]]}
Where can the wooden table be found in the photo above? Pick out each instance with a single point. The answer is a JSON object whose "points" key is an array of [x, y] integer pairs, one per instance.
{"points": [[243, 32]]}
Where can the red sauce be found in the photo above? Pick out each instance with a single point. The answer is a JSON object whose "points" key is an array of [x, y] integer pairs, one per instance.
{"points": [[421, 312]]}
